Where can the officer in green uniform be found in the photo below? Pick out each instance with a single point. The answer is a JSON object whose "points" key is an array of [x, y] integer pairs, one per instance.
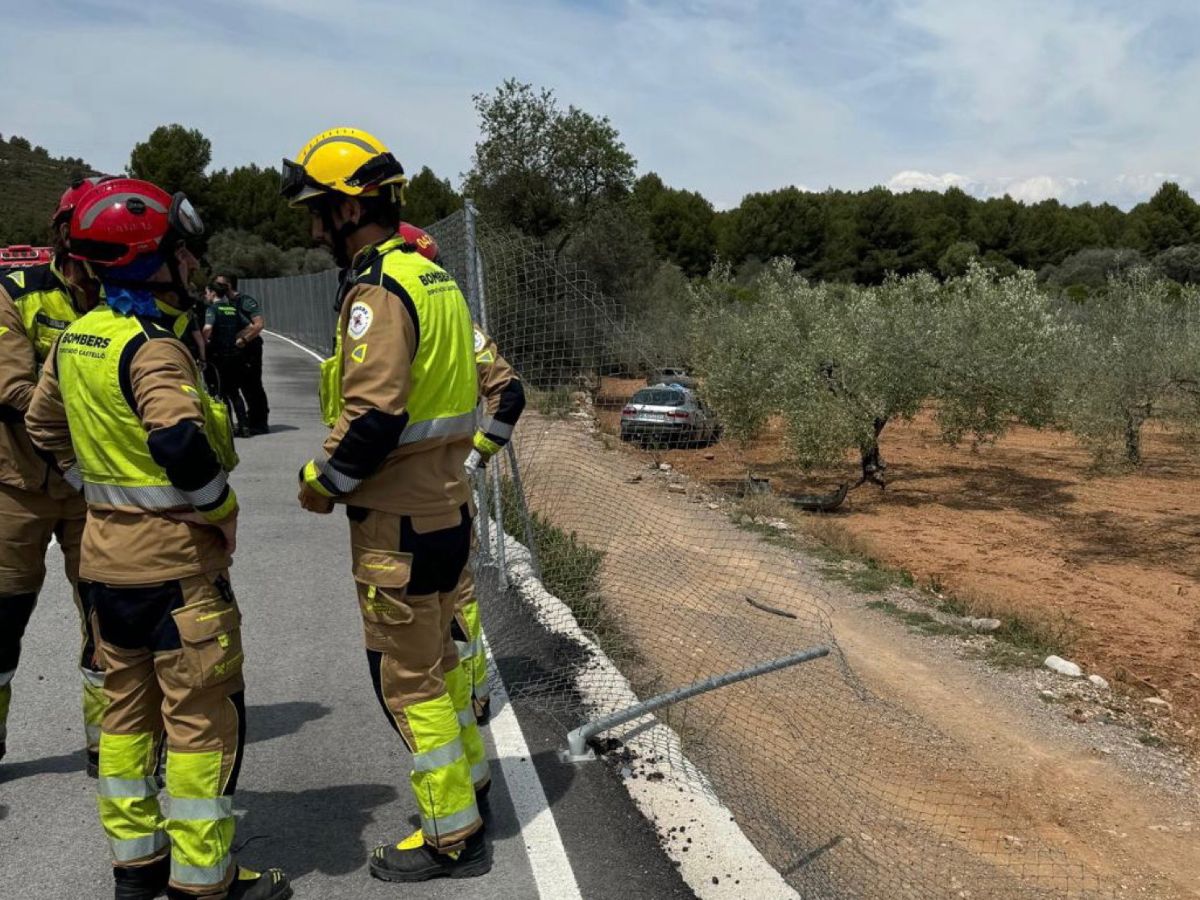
{"points": [[223, 324]]}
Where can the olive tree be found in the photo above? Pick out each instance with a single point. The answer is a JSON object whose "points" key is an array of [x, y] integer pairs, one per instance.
{"points": [[861, 360], [739, 337], [997, 352], [1135, 353]]}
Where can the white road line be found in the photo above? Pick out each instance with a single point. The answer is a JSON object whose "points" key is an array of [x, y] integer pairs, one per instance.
{"points": [[314, 354], [543, 844]]}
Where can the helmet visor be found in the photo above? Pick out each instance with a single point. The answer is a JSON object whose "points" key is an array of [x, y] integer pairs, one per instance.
{"points": [[183, 218]]}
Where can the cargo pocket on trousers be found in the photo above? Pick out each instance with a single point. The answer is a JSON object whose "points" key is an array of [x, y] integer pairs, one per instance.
{"points": [[210, 632], [382, 579]]}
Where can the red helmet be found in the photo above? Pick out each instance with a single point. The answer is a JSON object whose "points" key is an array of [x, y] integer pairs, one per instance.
{"points": [[72, 195], [421, 239], [121, 219]]}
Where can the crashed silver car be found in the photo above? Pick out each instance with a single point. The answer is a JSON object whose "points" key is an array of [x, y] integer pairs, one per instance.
{"points": [[668, 415]]}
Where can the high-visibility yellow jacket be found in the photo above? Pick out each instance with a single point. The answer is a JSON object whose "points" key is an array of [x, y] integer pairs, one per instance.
{"points": [[400, 389], [36, 304], [120, 400]]}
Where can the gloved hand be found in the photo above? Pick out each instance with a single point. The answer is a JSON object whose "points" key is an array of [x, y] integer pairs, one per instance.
{"points": [[311, 497], [474, 463]]}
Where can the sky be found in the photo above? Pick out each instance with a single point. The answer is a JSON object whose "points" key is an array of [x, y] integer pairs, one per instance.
{"points": [[1081, 100]]}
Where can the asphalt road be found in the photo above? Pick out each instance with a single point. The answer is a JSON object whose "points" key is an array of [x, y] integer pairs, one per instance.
{"points": [[324, 778]]}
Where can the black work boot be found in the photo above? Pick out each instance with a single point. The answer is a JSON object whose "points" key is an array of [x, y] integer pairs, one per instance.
{"points": [[249, 885], [3, 749], [142, 882], [269, 885], [414, 860]]}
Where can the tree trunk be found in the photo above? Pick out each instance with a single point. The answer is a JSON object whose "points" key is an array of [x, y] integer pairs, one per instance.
{"points": [[873, 465], [1133, 437]]}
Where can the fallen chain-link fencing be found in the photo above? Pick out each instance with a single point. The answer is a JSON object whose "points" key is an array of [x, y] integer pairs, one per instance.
{"points": [[846, 792]]}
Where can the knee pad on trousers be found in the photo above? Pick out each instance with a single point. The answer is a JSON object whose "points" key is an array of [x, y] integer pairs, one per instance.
{"points": [[15, 610]]}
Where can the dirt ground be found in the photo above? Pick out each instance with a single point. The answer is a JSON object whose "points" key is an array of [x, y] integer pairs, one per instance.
{"points": [[1025, 527], [899, 770]]}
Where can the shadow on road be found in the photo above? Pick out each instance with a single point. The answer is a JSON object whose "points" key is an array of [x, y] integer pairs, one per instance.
{"points": [[264, 723], [62, 764], [318, 830]]}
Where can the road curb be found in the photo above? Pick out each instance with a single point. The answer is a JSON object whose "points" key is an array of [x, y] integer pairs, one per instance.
{"points": [[716, 859]]}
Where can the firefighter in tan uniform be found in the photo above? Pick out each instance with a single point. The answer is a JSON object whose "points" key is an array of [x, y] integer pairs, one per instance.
{"points": [[36, 304], [400, 394], [503, 399], [120, 401]]}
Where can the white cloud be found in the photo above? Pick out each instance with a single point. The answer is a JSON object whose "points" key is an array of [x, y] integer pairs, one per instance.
{"points": [[1027, 190], [1042, 187], [1146, 183], [911, 180]]}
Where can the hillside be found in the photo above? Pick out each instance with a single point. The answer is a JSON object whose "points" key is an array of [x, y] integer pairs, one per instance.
{"points": [[31, 181]]}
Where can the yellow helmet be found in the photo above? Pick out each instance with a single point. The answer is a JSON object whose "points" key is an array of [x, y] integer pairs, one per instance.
{"points": [[343, 160]]}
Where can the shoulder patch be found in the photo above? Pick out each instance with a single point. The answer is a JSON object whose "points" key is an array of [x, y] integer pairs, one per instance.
{"points": [[359, 319], [480, 340], [19, 282]]}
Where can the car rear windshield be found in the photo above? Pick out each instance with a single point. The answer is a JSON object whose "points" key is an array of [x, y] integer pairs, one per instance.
{"points": [[652, 397]]}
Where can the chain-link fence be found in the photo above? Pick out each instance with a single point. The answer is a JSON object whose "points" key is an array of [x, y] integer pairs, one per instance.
{"points": [[846, 793]]}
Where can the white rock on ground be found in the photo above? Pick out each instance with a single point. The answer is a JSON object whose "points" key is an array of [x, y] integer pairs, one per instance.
{"points": [[1099, 681], [1063, 667], [984, 626]]}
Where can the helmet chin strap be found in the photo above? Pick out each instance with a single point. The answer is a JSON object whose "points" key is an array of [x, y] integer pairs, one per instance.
{"points": [[176, 288]]}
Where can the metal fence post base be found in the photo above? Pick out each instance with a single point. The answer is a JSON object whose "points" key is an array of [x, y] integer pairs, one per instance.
{"points": [[577, 749]]}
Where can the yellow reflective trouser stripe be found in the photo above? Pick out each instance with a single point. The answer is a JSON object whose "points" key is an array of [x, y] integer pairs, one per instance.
{"points": [[137, 848], [438, 757], [473, 652], [182, 873], [458, 685], [94, 704], [200, 810], [128, 796], [441, 777], [200, 820], [126, 788], [480, 771], [436, 825], [470, 649]]}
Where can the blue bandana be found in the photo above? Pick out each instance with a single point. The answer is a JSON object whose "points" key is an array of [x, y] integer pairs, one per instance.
{"points": [[126, 300]]}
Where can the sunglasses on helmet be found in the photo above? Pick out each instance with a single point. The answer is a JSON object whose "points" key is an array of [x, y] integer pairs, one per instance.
{"points": [[295, 177]]}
